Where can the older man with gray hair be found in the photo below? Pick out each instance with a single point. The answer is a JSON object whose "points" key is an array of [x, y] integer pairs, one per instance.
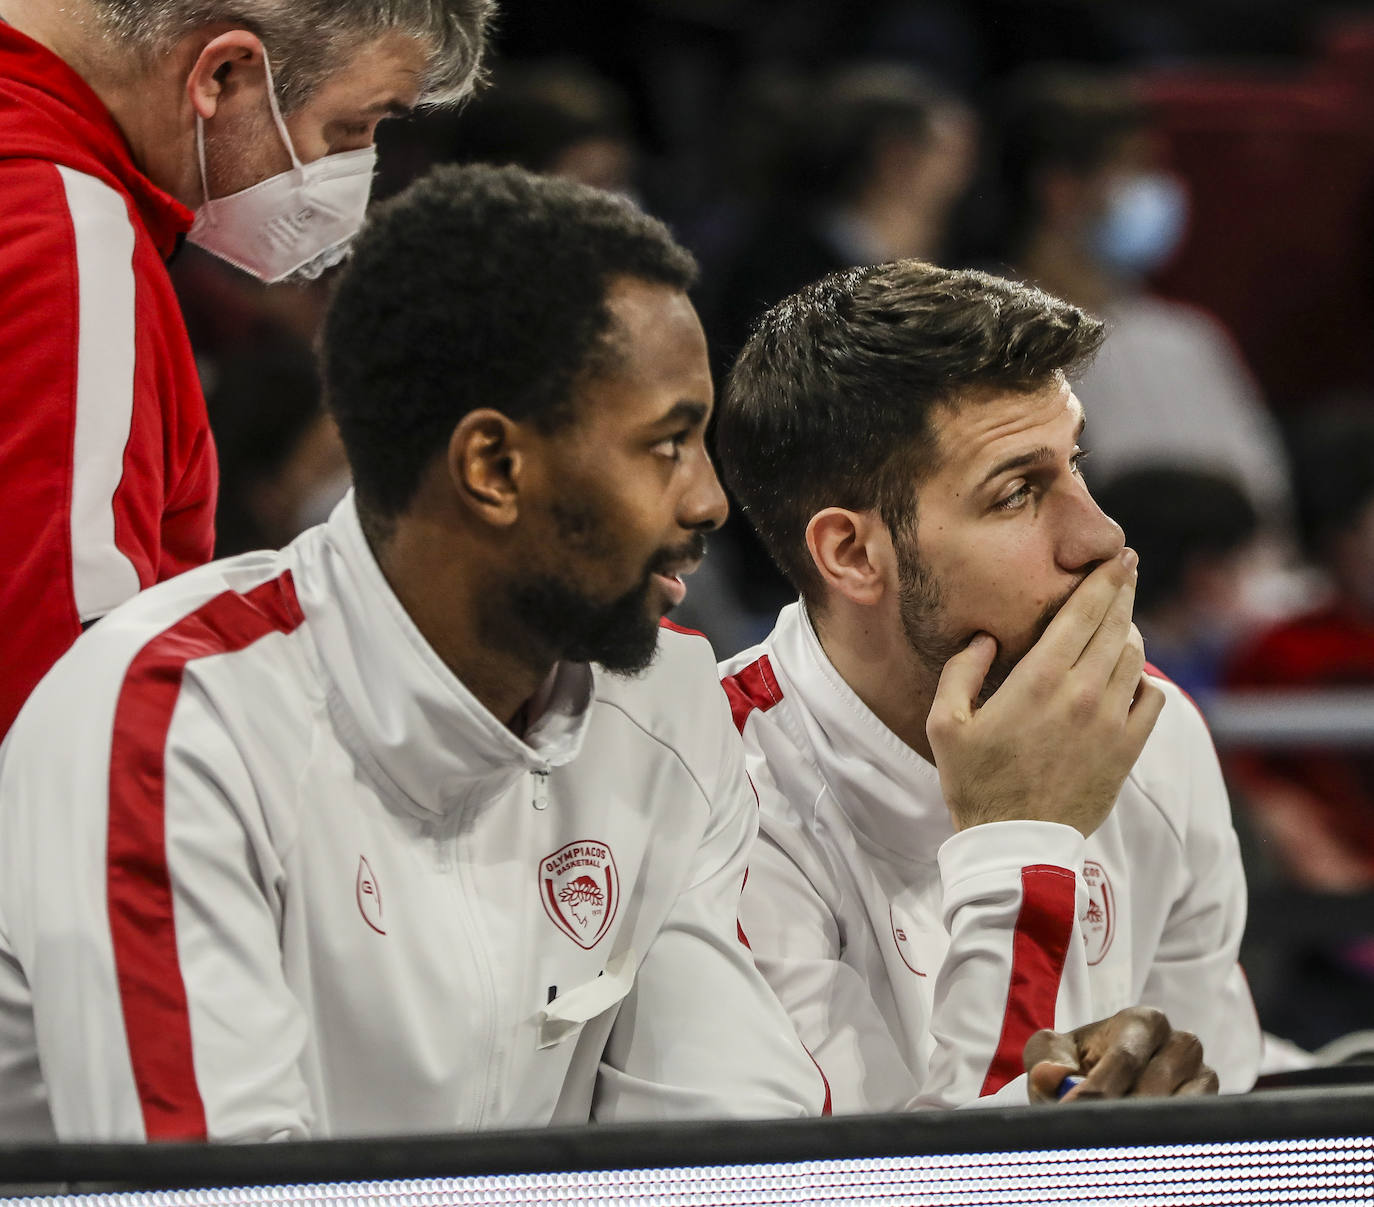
{"points": [[126, 125]]}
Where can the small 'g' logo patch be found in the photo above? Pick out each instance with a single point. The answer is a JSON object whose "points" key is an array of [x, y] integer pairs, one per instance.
{"points": [[369, 896]]}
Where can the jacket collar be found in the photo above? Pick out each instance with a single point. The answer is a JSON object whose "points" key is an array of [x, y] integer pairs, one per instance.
{"points": [[47, 111], [397, 706], [890, 793]]}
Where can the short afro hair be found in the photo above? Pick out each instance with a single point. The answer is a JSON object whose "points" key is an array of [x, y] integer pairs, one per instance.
{"points": [[476, 287], [829, 403]]}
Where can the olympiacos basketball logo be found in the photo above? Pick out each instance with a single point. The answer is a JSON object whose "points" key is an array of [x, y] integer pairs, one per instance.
{"points": [[1098, 923], [580, 889]]}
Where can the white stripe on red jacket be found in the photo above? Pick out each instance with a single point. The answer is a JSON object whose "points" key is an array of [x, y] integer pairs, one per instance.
{"points": [[107, 467]]}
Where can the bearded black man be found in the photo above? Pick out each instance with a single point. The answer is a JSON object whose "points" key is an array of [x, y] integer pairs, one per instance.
{"points": [[423, 824]]}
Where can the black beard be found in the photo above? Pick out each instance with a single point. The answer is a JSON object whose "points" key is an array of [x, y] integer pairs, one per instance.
{"points": [[621, 635]]}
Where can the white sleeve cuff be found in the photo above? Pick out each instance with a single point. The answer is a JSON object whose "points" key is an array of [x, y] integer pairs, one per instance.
{"points": [[987, 860]]}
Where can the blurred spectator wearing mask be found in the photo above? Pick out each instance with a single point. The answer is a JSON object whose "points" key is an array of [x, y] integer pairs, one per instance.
{"points": [[1091, 211], [1196, 535], [282, 463], [881, 158]]}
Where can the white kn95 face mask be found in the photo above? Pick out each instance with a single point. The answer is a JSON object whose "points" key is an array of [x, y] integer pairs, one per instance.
{"points": [[298, 223]]}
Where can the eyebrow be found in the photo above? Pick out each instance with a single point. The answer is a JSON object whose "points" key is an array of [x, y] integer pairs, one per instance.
{"points": [[1036, 456], [685, 411]]}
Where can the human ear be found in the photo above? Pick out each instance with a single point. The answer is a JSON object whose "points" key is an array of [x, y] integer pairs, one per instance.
{"points": [[486, 464], [220, 74], [852, 551]]}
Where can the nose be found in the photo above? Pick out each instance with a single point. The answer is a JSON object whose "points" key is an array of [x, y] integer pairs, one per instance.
{"points": [[1088, 534], [704, 506]]}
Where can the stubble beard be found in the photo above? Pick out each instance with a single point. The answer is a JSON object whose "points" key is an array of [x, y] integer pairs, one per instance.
{"points": [[930, 636], [241, 152]]}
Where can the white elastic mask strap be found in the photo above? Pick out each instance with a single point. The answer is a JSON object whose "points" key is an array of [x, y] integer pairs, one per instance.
{"points": [[200, 156], [276, 110], [277, 119]]}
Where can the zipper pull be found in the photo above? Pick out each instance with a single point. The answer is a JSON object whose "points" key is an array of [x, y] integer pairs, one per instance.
{"points": [[541, 791]]}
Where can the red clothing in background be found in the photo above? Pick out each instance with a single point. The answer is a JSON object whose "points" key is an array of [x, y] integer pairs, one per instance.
{"points": [[1330, 648], [107, 467]]}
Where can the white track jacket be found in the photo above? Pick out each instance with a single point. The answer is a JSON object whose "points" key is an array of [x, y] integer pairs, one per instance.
{"points": [[268, 870], [915, 961]]}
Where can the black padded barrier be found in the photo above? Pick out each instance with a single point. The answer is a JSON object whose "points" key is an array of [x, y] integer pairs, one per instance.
{"points": [[1307, 1114]]}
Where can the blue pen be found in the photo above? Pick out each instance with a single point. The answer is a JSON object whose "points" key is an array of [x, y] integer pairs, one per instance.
{"points": [[1067, 1084]]}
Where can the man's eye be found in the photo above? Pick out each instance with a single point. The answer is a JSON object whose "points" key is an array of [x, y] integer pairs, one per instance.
{"points": [[1016, 499], [1078, 458], [351, 134], [671, 447]]}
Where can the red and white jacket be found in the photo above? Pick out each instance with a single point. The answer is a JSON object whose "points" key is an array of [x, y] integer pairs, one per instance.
{"points": [[107, 469], [915, 961], [268, 870]]}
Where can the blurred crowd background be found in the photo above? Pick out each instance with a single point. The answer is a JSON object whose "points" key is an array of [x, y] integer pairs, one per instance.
{"points": [[1198, 172]]}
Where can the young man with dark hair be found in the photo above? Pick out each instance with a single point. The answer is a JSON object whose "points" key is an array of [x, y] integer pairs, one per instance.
{"points": [[980, 817], [246, 126], [356, 838]]}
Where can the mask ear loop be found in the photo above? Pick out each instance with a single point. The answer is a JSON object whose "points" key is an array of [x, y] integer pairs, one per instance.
{"points": [[276, 112], [278, 120], [209, 209]]}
